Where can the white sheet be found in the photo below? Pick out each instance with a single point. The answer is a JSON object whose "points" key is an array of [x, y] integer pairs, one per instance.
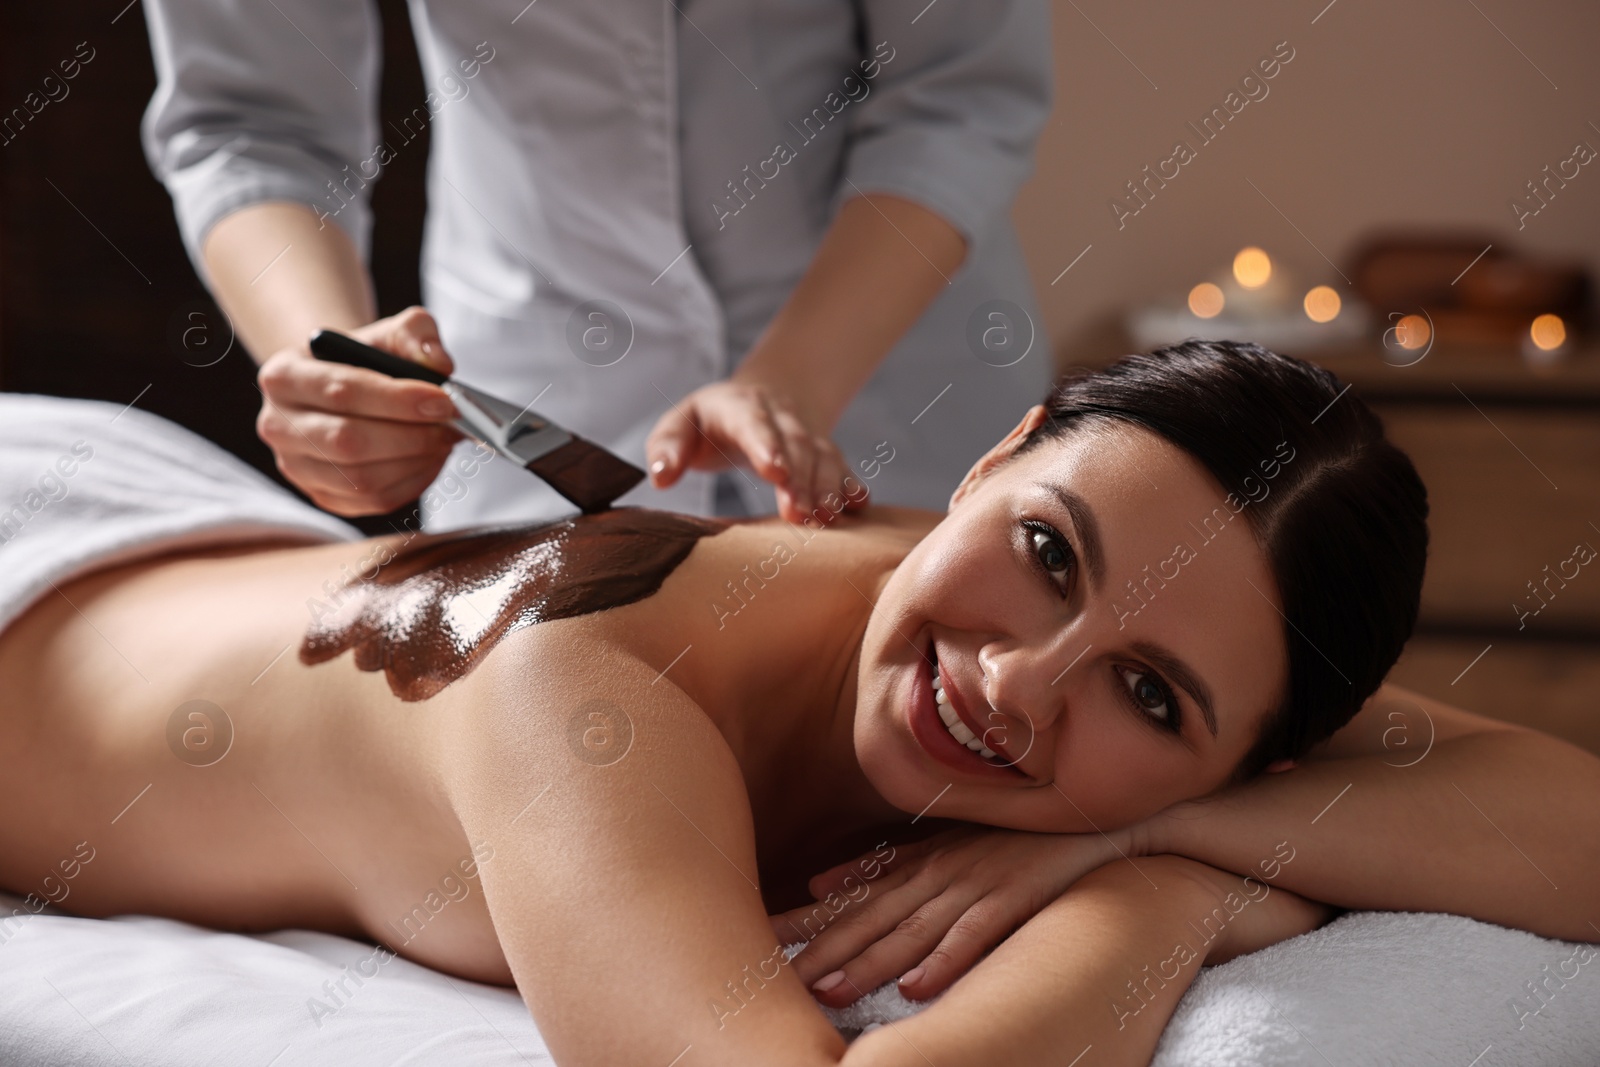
{"points": [[1371, 988], [139, 990]]}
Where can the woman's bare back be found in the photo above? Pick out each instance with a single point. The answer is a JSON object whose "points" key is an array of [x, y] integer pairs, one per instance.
{"points": [[160, 719]]}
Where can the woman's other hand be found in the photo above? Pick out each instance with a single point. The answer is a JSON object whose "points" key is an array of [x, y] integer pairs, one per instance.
{"points": [[721, 424], [934, 908], [356, 441]]}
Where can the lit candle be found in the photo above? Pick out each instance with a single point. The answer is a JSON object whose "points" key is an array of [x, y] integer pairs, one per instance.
{"points": [[1206, 300], [1252, 268], [1412, 332], [1548, 332], [1322, 304]]}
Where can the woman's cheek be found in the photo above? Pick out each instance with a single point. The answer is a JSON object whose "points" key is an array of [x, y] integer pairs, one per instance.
{"points": [[1110, 776], [977, 579]]}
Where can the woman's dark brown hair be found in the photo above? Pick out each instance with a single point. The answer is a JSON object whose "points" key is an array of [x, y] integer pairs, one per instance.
{"points": [[1343, 522]]}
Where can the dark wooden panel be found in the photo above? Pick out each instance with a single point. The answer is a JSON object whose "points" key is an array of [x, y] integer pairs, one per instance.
{"points": [[1548, 685], [96, 293], [1512, 492]]}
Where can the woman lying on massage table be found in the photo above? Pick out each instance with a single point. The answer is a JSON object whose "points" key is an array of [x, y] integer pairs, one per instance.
{"points": [[643, 732]]}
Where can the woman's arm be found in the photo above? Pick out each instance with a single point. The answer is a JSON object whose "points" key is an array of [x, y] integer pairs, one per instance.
{"points": [[1417, 806], [623, 890], [1102, 967], [280, 274], [265, 144], [1413, 806]]}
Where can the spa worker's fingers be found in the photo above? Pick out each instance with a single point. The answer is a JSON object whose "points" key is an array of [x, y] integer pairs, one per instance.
{"points": [[819, 472], [358, 442], [938, 908], [726, 423]]}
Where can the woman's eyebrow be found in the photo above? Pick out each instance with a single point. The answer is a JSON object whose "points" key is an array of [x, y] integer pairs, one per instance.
{"points": [[1088, 531], [1179, 672]]}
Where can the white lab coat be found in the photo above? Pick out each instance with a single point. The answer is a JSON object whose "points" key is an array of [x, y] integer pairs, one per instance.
{"points": [[621, 195]]}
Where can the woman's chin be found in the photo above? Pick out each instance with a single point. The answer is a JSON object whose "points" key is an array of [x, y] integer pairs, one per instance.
{"points": [[896, 778], [907, 786]]}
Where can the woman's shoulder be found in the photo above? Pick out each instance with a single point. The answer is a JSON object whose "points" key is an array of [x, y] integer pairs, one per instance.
{"points": [[763, 545], [866, 530]]}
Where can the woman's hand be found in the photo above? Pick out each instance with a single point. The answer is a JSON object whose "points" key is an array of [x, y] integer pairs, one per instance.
{"points": [[356, 441], [1131, 939], [936, 908], [718, 424]]}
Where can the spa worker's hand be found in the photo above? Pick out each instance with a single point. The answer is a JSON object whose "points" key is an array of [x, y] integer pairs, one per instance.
{"points": [[747, 419], [932, 908], [358, 442], [883, 260]]}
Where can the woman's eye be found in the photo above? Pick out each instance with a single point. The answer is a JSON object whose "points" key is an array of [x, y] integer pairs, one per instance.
{"points": [[1150, 696], [1053, 554]]}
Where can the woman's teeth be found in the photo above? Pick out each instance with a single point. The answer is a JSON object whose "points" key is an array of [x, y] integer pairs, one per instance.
{"points": [[953, 723]]}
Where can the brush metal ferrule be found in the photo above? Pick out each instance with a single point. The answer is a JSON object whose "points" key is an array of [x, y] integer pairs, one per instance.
{"points": [[519, 435]]}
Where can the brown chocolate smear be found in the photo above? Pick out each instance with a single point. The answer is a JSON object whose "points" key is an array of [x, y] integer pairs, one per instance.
{"points": [[444, 600]]}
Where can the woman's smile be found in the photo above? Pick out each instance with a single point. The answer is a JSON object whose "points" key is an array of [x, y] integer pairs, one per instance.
{"points": [[948, 729], [1003, 626]]}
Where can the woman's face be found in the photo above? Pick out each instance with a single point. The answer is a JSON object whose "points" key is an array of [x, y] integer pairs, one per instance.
{"points": [[1083, 605]]}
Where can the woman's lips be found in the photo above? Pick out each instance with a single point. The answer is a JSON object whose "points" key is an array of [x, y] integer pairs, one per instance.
{"points": [[986, 734], [930, 732]]}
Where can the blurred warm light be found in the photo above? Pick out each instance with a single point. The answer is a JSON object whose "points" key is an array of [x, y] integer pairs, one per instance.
{"points": [[1252, 268], [1206, 300], [1548, 332], [1412, 331], [1322, 304]]}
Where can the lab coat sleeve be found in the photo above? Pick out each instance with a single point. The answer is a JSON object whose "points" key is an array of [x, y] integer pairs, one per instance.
{"points": [[264, 100], [959, 99]]}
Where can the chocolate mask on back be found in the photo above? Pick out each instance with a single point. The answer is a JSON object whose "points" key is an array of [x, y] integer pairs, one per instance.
{"points": [[442, 603]]}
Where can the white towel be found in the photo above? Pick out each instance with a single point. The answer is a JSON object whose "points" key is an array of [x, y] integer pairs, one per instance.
{"points": [[1373, 988], [1381, 987], [85, 484]]}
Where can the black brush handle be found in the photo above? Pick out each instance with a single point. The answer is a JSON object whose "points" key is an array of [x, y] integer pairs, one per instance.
{"points": [[337, 348]]}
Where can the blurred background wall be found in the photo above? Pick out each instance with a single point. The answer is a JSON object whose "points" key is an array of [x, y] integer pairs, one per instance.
{"points": [[97, 298], [1388, 118], [1390, 115]]}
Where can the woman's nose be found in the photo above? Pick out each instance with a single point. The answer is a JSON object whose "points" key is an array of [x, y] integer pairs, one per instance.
{"points": [[1017, 684]]}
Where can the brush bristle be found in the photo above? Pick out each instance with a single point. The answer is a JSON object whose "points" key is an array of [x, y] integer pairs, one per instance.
{"points": [[587, 474]]}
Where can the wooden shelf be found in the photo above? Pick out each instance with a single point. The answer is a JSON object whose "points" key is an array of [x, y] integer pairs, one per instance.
{"points": [[1485, 374], [1494, 374]]}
